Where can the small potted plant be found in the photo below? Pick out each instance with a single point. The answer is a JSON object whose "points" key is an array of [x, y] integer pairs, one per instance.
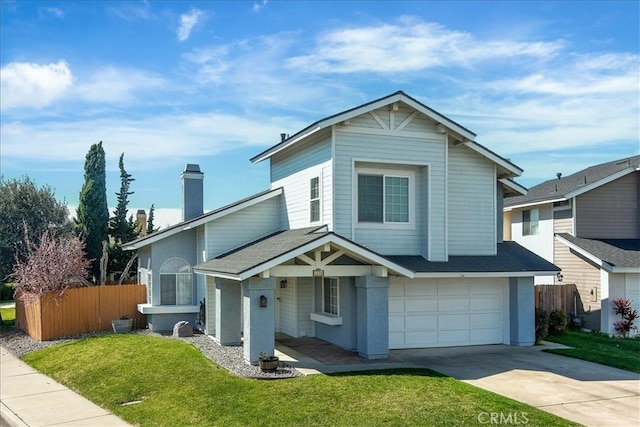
{"points": [[123, 324], [268, 363]]}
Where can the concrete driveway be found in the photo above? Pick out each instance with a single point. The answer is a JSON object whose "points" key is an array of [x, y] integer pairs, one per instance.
{"points": [[588, 393]]}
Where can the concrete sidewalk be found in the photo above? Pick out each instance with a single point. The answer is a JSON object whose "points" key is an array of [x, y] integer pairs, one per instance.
{"points": [[29, 398]]}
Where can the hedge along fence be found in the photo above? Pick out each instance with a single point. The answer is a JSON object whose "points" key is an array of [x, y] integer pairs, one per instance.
{"points": [[80, 310]]}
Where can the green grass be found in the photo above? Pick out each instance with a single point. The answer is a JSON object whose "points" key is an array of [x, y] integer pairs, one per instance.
{"points": [[599, 348], [179, 386], [8, 317]]}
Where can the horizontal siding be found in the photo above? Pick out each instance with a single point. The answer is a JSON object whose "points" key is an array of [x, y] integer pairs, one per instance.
{"points": [[610, 211], [243, 227], [393, 148], [472, 209], [297, 210], [586, 277], [315, 151], [563, 221]]}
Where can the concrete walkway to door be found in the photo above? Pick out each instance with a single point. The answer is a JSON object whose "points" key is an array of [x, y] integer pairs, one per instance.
{"points": [[585, 392]]}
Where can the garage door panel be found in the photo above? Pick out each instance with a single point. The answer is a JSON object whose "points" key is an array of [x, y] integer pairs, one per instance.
{"points": [[415, 290], [431, 314], [427, 338], [453, 305], [417, 323], [396, 324], [420, 305], [483, 304], [484, 320], [459, 337], [396, 305], [451, 322], [453, 289]]}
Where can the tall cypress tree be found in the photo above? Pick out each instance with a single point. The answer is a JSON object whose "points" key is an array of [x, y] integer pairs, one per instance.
{"points": [[93, 212], [121, 229], [150, 228]]}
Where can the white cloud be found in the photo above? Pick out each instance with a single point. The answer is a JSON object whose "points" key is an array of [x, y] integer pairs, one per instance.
{"points": [[146, 142], [50, 12], [187, 23], [410, 45], [28, 85], [258, 6], [110, 84]]}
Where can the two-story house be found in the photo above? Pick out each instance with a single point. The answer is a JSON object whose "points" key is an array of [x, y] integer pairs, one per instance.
{"points": [[381, 229], [588, 224]]}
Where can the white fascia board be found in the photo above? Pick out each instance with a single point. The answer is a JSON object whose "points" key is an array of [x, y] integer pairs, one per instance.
{"points": [[514, 186], [515, 170], [204, 219], [448, 275], [600, 183], [330, 238], [600, 263], [279, 147], [439, 118], [625, 269], [530, 204], [218, 274]]}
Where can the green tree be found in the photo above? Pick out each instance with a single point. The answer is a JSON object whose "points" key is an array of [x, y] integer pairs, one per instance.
{"points": [[92, 221], [23, 203], [121, 228], [150, 228]]}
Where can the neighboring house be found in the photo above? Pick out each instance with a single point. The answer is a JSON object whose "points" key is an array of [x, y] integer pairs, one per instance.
{"points": [[588, 224], [381, 229]]}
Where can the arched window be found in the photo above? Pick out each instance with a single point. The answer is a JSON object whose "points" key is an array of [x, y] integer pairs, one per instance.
{"points": [[176, 282]]}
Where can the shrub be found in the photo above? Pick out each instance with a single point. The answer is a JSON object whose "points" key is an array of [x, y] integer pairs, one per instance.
{"points": [[6, 291], [557, 321], [52, 265], [625, 325], [542, 324]]}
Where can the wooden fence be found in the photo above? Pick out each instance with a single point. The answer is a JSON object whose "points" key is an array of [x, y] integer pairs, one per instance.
{"points": [[556, 297], [81, 310]]}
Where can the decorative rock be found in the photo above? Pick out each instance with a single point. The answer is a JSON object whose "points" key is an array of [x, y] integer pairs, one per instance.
{"points": [[182, 329]]}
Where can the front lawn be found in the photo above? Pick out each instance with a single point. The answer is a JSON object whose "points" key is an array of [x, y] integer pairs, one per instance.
{"points": [[599, 348], [177, 385]]}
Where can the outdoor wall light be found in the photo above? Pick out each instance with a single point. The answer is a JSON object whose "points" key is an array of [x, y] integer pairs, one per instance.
{"points": [[283, 283], [559, 277], [263, 301]]}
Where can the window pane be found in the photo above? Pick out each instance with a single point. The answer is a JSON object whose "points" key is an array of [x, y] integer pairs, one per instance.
{"points": [[315, 188], [369, 198], [167, 289], [184, 289], [534, 221], [330, 296], [396, 199], [315, 210]]}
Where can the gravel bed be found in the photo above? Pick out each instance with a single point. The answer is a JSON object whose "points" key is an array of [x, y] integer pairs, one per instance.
{"points": [[229, 357]]}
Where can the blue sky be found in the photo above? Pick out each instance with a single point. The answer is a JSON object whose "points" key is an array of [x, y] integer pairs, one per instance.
{"points": [[553, 86]]}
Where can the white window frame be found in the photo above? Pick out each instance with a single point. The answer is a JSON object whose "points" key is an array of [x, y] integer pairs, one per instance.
{"points": [[317, 199], [396, 173], [532, 226], [176, 274], [337, 296]]}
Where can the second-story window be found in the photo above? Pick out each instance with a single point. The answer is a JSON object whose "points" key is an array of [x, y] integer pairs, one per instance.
{"points": [[530, 222], [383, 198], [314, 199]]}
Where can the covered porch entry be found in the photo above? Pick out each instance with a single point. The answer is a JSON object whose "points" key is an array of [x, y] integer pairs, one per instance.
{"points": [[303, 283]]}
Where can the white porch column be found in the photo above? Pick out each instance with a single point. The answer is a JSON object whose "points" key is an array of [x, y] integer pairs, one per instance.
{"points": [[373, 316], [259, 321], [228, 314]]}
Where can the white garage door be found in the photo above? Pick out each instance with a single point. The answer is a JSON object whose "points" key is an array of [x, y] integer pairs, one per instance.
{"points": [[444, 313]]}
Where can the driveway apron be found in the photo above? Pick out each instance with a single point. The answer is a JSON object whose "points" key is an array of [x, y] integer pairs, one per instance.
{"points": [[584, 392]]}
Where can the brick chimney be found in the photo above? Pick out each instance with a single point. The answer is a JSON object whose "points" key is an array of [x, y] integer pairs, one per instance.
{"points": [[192, 192], [141, 222]]}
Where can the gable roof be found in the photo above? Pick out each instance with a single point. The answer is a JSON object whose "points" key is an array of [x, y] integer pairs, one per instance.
{"points": [[263, 254], [573, 185], [465, 135], [202, 219], [510, 260], [612, 255]]}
